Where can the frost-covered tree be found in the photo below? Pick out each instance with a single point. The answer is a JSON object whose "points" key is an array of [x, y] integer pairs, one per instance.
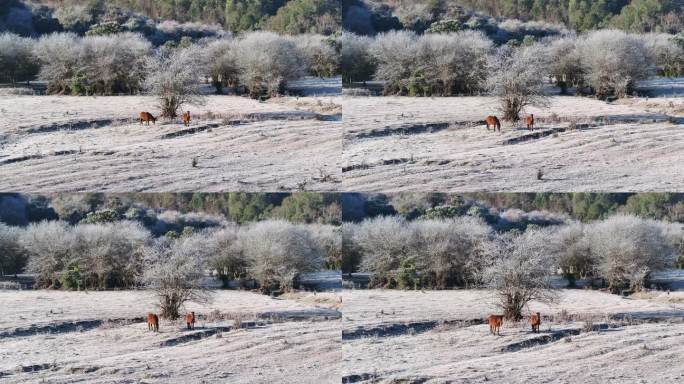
{"points": [[629, 249], [517, 79], [17, 62], [278, 252], [173, 77], [175, 270], [519, 269], [267, 62], [614, 61]]}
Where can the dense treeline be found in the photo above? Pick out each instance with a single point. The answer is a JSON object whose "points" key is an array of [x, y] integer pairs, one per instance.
{"points": [[163, 212], [605, 62], [257, 63], [123, 254], [583, 207], [371, 16], [466, 250], [194, 18]]}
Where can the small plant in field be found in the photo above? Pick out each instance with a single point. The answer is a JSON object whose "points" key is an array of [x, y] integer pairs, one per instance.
{"points": [[540, 174], [194, 162], [588, 326]]}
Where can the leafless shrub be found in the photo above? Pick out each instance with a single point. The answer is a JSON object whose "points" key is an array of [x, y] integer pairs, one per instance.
{"points": [[517, 79], [519, 269], [174, 79], [175, 270]]}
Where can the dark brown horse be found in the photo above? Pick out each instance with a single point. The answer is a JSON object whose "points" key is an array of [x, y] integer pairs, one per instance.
{"points": [[190, 320], [529, 120], [495, 322], [494, 122], [535, 321], [186, 118], [146, 116], [152, 322]]}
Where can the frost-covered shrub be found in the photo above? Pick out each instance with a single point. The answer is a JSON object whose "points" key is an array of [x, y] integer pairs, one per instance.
{"points": [[58, 55], [278, 252], [17, 62], [229, 260], [108, 254], [572, 252], [447, 252], [12, 255], [516, 78], [628, 249], [397, 56], [356, 62], [328, 241], [319, 54], [614, 61], [222, 64], [564, 63], [453, 63], [668, 55], [267, 62]]}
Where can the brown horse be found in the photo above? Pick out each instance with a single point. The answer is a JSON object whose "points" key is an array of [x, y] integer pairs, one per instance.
{"points": [[529, 120], [146, 116], [186, 118], [495, 324], [190, 320], [493, 121], [535, 321], [152, 322]]}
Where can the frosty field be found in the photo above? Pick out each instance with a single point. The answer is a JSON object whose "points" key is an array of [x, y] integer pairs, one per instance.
{"points": [[579, 144], [65, 143], [60, 337], [440, 336]]}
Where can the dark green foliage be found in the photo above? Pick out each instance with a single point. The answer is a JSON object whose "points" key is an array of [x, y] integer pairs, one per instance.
{"points": [[101, 216], [104, 28], [307, 16]]}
